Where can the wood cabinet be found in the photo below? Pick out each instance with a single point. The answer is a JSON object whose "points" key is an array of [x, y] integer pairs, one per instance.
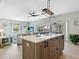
{"points": [[28, 50], [49, 49], [53, 48], [56, 46], [61, 43], [44, 50]]}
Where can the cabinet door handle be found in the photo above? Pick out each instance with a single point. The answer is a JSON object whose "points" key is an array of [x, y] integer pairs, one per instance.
{"points": [[63, 37], [46, 44], [56, 49]]}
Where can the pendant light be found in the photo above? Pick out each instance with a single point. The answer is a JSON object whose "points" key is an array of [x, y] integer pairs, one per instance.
{"points": [[47, 10]]}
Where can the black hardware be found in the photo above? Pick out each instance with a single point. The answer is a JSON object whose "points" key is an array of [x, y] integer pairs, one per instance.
{"points": [[63, 37], [46, 44], [56, 48]]}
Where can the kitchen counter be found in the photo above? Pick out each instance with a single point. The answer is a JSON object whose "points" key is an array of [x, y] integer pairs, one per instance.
{"points": [[37, 39], [43, 47]]}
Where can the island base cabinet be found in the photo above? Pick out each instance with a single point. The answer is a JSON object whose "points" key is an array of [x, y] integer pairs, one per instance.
{"points": [[28, 50], [54, 48], [49, 49], [43, 50], [61, 43]]}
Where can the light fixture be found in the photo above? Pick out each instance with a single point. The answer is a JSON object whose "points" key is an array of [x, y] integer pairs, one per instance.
{"points": [[47, 10]]}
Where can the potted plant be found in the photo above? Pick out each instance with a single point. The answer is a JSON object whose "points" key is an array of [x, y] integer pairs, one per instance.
{"points": [[74, 38]]}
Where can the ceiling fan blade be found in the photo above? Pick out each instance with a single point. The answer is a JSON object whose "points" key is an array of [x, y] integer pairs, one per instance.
{"points": [[33, 15]]}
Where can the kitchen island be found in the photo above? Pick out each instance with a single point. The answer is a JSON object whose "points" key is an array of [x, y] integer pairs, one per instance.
{"points": [[43, 47]]}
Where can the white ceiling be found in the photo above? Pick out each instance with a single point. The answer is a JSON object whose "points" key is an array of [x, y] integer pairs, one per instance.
{"points": [[18, 9]]}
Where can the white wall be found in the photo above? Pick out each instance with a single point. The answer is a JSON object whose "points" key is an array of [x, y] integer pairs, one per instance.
{"points": [[67, 21]]}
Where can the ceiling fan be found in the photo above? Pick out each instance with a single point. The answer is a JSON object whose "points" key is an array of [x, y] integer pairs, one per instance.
{"points": [[32, 13]]}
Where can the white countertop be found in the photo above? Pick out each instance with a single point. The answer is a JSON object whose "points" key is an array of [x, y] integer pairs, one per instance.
{"points": [[34, 39]]}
